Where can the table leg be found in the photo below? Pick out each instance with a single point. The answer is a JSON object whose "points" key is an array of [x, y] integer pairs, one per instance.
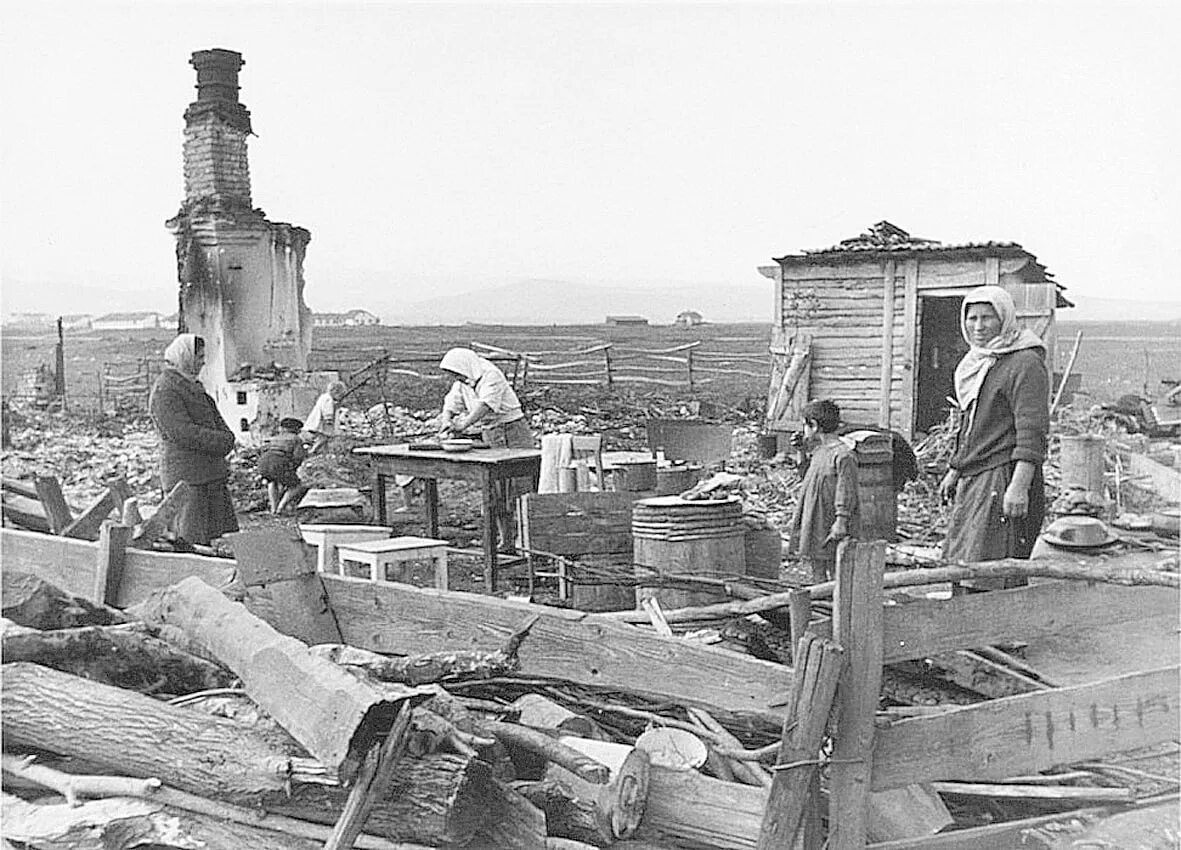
{"points": [[490, 529], [430, 498], [379, 505]]}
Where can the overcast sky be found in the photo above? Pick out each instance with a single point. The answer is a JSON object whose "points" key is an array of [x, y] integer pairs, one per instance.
{"points": [[437, 148]]}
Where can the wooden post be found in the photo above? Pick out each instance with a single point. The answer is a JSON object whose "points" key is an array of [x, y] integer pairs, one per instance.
{"points": [[112, 550], [857, 626], [910, 347], [887, 343], [799, 609], [59, 377], [815, 683], [689, 367], [49, 492], [607, 358]]}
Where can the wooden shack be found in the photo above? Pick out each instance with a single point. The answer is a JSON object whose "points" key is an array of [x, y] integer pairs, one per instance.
{"points": [[873, 323]]}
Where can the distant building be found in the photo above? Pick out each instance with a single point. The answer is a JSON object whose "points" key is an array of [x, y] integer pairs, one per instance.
{"points": [[77, 322], [29, 321], [126, 321], [688, 318], [626, 321], [352, 318]]}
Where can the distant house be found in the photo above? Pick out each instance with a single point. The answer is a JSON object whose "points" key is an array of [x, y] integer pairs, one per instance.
{"points": [[77, 322], [29, 321], [688, 318], [352, 318], [626, 321], [126, 321]]}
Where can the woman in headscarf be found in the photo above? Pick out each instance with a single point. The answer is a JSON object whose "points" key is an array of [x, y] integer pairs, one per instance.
{"points": [[195, 441], [995, 477], [492, 406]]}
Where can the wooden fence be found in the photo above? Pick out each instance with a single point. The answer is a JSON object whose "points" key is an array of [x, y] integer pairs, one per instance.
{"points": [[688, 366]]}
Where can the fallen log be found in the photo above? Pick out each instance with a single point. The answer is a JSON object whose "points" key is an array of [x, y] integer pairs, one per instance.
{"points": [[333, 715], [552, 750], [746, 771], [124, 656], [618, 805], [129, 733]]}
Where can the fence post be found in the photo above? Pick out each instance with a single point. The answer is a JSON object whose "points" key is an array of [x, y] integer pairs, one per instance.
{"points": [[59, 378], [607, 357], [689, 367], [857, 628]]}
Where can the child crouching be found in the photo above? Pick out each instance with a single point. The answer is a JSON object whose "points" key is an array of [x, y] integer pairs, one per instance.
{"points": [[279, 463]]}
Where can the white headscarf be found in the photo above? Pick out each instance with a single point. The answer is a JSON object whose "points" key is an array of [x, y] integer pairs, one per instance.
{"points": [[970, 372], [464, 361], [181, 355]]}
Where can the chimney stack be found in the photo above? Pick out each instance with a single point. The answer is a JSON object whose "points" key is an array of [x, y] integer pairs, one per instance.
{"points": [[216, 169]]}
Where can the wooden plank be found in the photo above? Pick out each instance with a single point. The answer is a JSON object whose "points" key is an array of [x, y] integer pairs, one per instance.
{"points": [[910, 348], [49, 491], [928, 626], [87, 524], [72, 565], [112, 555], [857, 624], [996, 836], [572, 645], [992, 271], [818, 666], [685, 806], [578, 523], [1162, 480], [887, 353], [1032, 732]]}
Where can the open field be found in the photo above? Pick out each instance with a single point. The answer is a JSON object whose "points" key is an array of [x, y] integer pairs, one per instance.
{"points": [[1115, 358]]}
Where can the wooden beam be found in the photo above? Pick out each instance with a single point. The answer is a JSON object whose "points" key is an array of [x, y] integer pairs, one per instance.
{"points": [[910, 348], [817, 670], [571, 645], [331, 713], [1032, 732], [159, 522], [49, 491], [996, 836], [928, 626], [112, 555], [857, 624], [72, 565], [87, 524], [887, 366]]}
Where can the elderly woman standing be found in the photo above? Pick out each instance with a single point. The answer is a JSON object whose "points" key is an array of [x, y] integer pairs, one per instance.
{"points": [[492, 406], [995, 476], [195, 441]]}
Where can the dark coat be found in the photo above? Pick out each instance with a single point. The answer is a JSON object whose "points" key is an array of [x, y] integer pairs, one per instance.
{"points": [[193, 437]]}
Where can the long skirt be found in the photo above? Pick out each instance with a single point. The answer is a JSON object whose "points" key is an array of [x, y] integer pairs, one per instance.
{"points": [[207, 514], [978, 529], [514, 435]]}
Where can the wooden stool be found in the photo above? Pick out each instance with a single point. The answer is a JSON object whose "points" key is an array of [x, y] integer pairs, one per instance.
{"points": [[328, 538], [378, 556]]}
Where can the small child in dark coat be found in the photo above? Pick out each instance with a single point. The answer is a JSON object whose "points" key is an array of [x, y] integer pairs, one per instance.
{"points": [[828, 510], [279, 464]]}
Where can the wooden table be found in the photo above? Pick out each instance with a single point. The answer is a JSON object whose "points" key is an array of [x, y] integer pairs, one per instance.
{"points": [[489, 468]]}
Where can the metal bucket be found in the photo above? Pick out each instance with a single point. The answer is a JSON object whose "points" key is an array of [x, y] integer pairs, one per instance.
{"points": [[1081, 462]]}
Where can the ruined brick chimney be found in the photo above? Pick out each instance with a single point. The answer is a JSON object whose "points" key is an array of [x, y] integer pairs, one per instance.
{"points": [[240, 276]]}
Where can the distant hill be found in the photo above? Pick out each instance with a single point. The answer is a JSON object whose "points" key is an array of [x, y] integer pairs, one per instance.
{"points": [[558, 302]]}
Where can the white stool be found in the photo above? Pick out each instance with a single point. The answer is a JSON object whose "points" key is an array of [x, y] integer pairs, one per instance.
{"points": [[328, 538], [376, 557]]}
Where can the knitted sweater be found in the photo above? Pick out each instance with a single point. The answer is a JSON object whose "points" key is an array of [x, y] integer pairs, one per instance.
{"points": [[194, 438], [1012, 416]]}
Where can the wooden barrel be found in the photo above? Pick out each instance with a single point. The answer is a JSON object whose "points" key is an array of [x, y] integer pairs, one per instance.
{"points": [[1081, 462], [875, 485], [672, 536], [678, 478]]}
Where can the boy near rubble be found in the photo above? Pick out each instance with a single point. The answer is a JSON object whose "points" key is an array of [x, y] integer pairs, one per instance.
{"points": [[279, 464], [320, 426], [828, 509]]}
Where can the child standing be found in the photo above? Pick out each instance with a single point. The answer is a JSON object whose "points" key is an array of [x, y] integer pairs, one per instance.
{"points": [[279, 464], [828, 509], [321, 423]]}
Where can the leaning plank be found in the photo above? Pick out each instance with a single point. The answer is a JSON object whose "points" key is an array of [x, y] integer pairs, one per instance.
{"points": [[112, 548], [49, 491], [159, 522], [85, 526], [812, 692], [72, 565], [332, 714], [920, 628], [1031, 732], [570, 645], [130, 733]]}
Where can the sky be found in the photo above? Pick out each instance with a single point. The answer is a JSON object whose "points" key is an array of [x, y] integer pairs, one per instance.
{"points": [[433, 149]]}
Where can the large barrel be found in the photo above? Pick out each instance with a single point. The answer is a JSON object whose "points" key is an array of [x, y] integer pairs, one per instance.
{"points": [[672, 536], [875, 485], [1081, 462]]}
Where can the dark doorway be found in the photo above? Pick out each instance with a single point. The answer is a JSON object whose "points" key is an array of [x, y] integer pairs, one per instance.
{"points": [[941, 345]]}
